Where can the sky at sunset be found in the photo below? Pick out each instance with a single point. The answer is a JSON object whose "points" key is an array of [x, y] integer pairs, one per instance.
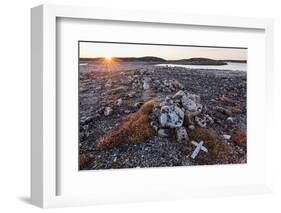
{"points": [[95, 50]]}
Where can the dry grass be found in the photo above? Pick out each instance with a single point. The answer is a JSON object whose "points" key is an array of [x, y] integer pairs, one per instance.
{"points": [[217, 151], [84, 161], [136, 129], [239, 137]]}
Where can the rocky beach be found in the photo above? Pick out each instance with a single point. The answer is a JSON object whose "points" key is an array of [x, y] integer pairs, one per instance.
{"points": [[136, 114]]}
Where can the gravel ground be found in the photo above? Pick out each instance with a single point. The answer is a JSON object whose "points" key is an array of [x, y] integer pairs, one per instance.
{"points": [[100, 111]]}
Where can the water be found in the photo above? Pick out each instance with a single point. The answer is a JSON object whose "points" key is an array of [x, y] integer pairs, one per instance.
{"points": [[230, 66]]}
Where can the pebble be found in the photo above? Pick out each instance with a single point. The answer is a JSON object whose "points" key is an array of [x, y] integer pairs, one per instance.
{"points": [[224, 111], [230, 119], [191, 127], [162, 133], [119, 102], [108, 111], [226, 137]]}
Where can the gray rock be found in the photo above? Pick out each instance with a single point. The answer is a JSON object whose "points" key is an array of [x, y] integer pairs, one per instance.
{"points": [[154, 125], [230, 120], [132, 94], [179, 94], [108, 84], [179, 112], [107, 111], [224, 111], [209, 118], [201, 121], [226, 137], [191, 127], [163, 133], [146, 84], [189, 103], [119, 102], [171, 117], [182, 135], [138, 104], [167, 102]]}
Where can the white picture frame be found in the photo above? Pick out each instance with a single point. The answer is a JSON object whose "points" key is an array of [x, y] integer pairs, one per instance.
{"points": [[44, 103]]}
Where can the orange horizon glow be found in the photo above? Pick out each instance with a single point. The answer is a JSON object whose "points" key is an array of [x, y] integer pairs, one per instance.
{"points": [[108, 59], [110, 50], [109, 63]]}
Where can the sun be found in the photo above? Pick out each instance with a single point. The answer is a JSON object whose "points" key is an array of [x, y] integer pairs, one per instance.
{"points": [[108, 58]]}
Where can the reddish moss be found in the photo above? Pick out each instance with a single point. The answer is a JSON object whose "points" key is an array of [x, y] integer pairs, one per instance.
{"points": [[218, 152], [136, 129], [239, 137], [84, 161], [148, 106], [234, 109]]}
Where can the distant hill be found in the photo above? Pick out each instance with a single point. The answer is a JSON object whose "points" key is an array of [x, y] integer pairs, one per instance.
{"points": [[152, 59], [142, 59], [198, 61]]}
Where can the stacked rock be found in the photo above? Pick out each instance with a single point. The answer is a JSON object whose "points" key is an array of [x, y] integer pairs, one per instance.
{"points": [[178, 112]]}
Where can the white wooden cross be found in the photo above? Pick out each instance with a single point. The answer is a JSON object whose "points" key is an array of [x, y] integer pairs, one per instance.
{"points": [[199, 146]]}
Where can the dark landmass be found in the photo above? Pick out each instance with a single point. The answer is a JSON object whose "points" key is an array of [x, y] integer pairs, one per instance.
{"points": [[152, 59]]}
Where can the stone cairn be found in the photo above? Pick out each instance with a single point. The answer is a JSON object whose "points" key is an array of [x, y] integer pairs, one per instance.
{"points": [[180, 112]]}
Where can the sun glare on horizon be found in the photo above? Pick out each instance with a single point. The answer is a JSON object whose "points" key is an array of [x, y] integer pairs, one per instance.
{"points": [[108, 58]]}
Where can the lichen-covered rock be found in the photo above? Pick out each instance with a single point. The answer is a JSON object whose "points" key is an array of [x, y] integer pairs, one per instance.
{"points": [[171, 117], [191, 102]]}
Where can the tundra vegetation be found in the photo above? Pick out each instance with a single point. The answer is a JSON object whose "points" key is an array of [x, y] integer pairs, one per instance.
{"points": [[134, 113]]}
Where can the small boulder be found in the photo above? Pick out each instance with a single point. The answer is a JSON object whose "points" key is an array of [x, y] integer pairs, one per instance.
{"points": [[182, 135], [171, 117], [107, 111], [188, 104], [191, 102]]}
